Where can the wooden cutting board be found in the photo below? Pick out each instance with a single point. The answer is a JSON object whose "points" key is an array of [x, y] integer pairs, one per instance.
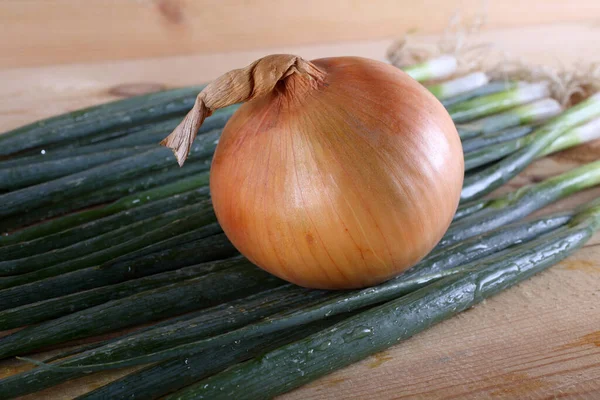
{"points": [[538, 340]]}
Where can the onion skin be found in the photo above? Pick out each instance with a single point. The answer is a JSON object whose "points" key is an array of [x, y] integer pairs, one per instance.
{"points": [[342, 183]]}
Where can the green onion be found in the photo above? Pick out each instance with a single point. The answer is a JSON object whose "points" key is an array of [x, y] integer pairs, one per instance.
{"points": [[27, 175], [57, 281], [101, 196], [113, 242], [124, 297], [520, 203], [58, 152], [194, 227], [158, 380], [489, 179], [178, 298], [490, 88], [57, 307], [460, 85], [150, 338], [495, 152], [101, 226], [377, 329], [55, 151], [93, 277], [494, 103], [66, 187], [107, 290], [435, 68], [144, 135], [93, 120], [162, 323], [438, 265], [492, 152], [125, 203], [209, 322], [490, 214], [526, 114], [474, 248], [239, 312], [150, 134], [579, 135], [140, 381], [136, 331], [487, 140], [157, 250]]}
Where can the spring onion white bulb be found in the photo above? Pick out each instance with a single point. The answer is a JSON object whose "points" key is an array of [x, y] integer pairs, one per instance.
{"points": [[585, 133], [435, 68], [494, 103], [459, 85], [531, 113]]}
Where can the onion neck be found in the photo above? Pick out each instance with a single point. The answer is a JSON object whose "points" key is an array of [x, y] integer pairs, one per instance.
{"points": [[240, 85]]}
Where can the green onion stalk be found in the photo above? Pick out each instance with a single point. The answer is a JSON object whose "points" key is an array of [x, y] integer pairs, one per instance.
{"points": [[62, 189], [56, 225], [489, 214], [98, 119], [581, 134], [169, 370], [377, 328], [381, 327], [437, 266], [483, 106], [145, 135], [532, 113], [108, 245], [154, 252], [98, 142], [227, 323], [209, 284], [488, 179], [462, 243], [459, 85], [101, 226], [123, 204], [435, 68], [102, 195], [158, 380], [521, 202], [490, 139], [106, 290], [18, 177], [483, 216], [490, 88]]}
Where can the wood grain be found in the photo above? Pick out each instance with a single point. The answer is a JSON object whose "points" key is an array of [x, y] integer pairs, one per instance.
{"points": [[29, 94], [43, 32], [539, 340]]}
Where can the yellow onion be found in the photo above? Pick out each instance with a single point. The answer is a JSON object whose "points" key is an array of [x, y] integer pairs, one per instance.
{"points": [[336, 173]]}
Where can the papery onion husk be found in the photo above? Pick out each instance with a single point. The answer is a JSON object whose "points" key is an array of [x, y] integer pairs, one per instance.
{"points": [[337, 173]]}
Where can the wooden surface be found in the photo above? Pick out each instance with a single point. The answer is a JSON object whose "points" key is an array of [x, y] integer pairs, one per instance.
{"points": [[539, 340], [43, 32]]}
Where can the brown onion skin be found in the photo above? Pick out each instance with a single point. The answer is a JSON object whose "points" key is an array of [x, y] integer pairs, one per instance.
{"points": [[342, 184]]}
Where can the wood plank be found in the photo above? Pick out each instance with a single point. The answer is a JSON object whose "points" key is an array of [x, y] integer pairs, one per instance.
{"points": [[28, 94], [538, 340], [42, 32]]}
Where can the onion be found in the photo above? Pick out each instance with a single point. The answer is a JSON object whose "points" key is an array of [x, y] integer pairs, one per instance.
{"points": [[337, 173]]}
